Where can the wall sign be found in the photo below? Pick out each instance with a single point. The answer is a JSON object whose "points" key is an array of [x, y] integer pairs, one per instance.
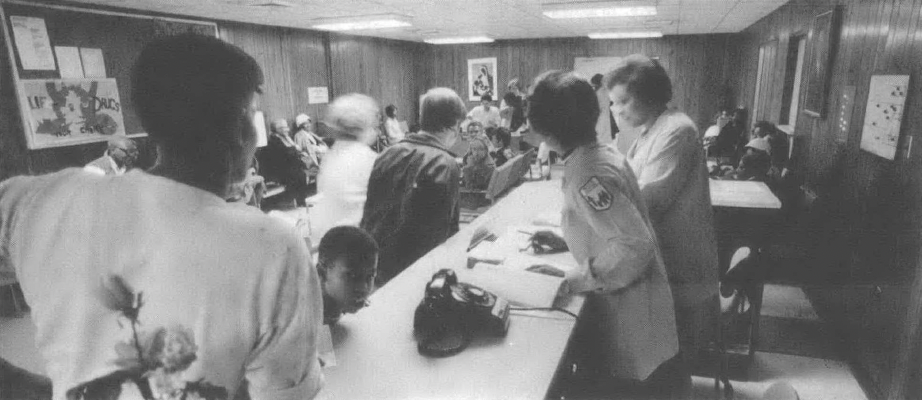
{"points": [[66, 111]]}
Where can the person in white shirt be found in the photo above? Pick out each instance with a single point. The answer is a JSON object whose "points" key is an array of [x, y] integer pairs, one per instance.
{"points": [[343, 180], [392, 126], [487, 115], [120, 156], [607, 228], [669, 162], [165, 290]]}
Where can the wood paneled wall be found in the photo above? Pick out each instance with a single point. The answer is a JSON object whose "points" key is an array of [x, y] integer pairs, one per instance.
{"points": [[702, 67], [875, 203], [292, 61], [390, 71]]}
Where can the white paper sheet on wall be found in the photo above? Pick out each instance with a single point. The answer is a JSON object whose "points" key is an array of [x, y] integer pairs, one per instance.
{"points": [[94, 65], [884, 114], [69, 63], [318, 95], [32, 43]]}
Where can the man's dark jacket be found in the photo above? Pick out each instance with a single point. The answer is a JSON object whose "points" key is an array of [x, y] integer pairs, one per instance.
{"points": [[412, 202]]}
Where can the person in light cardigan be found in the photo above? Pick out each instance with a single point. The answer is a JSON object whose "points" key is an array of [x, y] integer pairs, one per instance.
{"points": [[342, 183]]}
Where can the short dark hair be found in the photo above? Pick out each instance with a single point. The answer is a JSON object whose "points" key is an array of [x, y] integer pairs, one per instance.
{"points": [[390, 111], [766, 127], [564, 106], [440, 108], [644, 78], [486, 97], [191, 93], [349, 242], [503, 135]]}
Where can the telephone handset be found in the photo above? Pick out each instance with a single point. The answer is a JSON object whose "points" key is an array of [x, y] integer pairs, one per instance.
{"points": [[452, 312]]}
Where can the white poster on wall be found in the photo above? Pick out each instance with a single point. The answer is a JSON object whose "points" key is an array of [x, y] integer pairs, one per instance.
{"points": [[94, 65], [32, 43], [69, 62], [884, 115], [318, 95]]}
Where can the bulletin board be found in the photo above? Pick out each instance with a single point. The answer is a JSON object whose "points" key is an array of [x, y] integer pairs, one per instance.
{"points": [[884, 114], [72, 69]]}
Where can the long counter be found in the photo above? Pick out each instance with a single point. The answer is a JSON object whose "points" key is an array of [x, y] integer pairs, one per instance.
{"points": [[376, 352]]}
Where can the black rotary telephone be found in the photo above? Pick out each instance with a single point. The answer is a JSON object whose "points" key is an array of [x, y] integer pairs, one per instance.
{"points": [[452, 312]]}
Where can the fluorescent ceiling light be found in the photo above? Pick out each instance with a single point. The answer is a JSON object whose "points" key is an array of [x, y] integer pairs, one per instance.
{"points": [[641, 11], [457, 40], [362, 25], [625, 35]]}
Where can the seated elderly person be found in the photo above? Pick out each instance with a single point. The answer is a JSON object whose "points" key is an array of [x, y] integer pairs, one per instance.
{"points": [[308, 141], [283, 161], [413, 193], [166, 290], [120, 156]]}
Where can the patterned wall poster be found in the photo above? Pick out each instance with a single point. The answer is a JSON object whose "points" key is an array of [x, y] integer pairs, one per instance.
{"points": [[62, 112]]}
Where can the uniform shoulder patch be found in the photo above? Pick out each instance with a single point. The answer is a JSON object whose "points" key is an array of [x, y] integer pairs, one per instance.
{"points": [[596, 194]]}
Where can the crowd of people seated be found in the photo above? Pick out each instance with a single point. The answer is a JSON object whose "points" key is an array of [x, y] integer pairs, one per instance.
{"points": [[760, 155]]}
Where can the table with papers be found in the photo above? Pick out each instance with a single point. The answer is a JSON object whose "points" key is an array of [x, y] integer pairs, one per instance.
{"points": [[377, 355]]}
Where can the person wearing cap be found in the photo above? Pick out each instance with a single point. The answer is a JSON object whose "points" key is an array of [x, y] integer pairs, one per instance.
{"points": [[307, 140], [756, 161], [120, 156]]}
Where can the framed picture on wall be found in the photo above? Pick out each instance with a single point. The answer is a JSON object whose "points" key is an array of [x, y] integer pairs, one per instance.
{"points": [[823, 38], [481, 78]]}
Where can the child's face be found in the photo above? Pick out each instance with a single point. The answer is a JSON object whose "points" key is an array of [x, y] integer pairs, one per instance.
{"points": [[473, 130], [348, 286]]}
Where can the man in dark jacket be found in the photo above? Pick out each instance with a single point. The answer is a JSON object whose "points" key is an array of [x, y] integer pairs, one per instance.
{"points": [[412, 204]]}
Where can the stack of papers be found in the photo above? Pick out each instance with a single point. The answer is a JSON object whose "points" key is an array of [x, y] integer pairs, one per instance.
{"points": [[501, 267], [519, 287]]}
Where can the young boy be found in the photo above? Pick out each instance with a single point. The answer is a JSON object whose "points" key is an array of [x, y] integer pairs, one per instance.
{"points": [[347, 264]]}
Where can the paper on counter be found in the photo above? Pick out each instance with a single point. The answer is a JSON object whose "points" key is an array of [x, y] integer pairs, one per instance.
{"points": [[524, 288], [547, 219]]}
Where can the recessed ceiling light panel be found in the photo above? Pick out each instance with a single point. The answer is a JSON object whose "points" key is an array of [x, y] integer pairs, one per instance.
{"points": [[625, 35], [600, 12], [459, 40]]}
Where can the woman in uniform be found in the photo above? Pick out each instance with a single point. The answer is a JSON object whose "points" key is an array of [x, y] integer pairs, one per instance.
{"points": [[606, 227]]}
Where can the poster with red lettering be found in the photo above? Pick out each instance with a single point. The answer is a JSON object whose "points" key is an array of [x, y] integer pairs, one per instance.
{"points": [[65, 112]]}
